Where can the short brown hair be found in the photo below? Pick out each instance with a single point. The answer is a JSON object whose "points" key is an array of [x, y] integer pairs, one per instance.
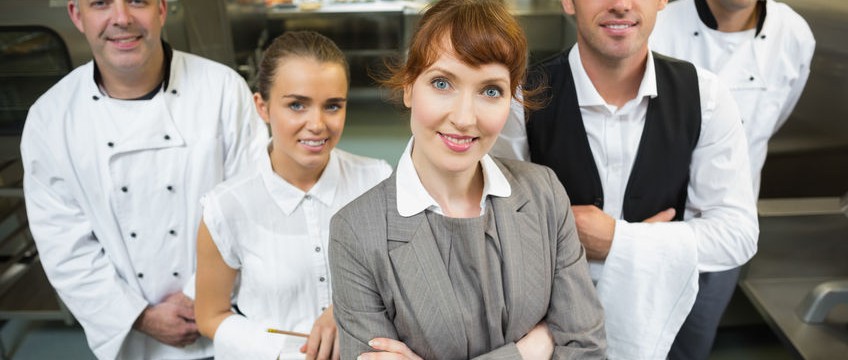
{"points": [[305, 44], [480, 32]]}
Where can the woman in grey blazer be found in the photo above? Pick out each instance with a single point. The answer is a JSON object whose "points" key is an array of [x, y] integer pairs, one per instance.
{"points": [[459, 255]]}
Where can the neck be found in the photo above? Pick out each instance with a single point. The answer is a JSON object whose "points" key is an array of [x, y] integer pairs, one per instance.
{"points": [[458, 194], [299, 176], [135, 83], [734, 19], [617, 80]]}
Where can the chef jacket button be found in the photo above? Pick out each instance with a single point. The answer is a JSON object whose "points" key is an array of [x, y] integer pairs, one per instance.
{"points": [[751, 78], [110, 144], [95, 97], [321, 279], [132, 235], [176, 274], [696, 33], [174, 91], [172, 232], [317, 249], [167, 137], [170, 188], [124, 189], [140, 275], [763, 36]]}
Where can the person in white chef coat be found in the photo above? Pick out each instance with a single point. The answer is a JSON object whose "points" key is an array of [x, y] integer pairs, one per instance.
{"points": [[653, 156], [116, 157], [264, 233], [762, 51]]}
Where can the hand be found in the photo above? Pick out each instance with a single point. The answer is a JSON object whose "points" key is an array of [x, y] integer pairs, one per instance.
{"points": [[170, 322], [390, 349], [323, 342], [595, 229], [538, 343], [662, 216]]}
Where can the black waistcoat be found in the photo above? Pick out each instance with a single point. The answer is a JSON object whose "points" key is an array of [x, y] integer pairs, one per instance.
{"points": [[660, 174]]}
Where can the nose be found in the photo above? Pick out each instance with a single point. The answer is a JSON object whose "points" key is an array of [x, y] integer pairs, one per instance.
{"points": [[315, 122], [464, 115], [121, 14], [621, 6]]}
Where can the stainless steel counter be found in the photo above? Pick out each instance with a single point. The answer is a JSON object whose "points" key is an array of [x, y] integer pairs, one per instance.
{"points": [[797, 253]]}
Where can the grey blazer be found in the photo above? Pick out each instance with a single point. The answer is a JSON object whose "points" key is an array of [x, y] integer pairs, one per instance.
{"points": [[389, 280]]}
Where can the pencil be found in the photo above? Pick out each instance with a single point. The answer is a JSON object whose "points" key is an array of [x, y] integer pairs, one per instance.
{"points": [[284, 332]]}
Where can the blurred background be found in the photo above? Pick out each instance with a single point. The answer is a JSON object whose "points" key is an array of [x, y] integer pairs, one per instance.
{"points": [[804, 232]]}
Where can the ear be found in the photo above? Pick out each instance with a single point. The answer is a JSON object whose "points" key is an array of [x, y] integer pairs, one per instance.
{"points": [[662, 4], [74, 14], [261, 107], [568, 6], [163, 11], [407, 96]]}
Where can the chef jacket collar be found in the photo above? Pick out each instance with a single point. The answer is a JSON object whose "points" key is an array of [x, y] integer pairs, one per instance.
{"points": [[709, 19], [169, 54]]}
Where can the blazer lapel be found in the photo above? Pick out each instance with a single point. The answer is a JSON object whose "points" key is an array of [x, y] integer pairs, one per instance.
{"points": [[526, 267], [423, 278]]}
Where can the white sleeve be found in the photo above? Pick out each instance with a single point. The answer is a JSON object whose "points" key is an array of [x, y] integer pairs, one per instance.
{"points": [[803, 58], [73, 257], [220, 231], [512, 141], [721, 216]]}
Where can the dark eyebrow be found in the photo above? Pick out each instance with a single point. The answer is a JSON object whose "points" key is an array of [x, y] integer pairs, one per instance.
{"points": [[336, 100], [297, 97]]}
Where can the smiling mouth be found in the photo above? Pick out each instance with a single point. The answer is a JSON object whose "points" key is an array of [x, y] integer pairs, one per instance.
{"points": [[619, 26], [313, 142], [124, 40]]}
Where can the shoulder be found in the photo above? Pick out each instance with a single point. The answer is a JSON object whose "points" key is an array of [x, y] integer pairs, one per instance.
{"points": [[58, 103], [528, 175], [369, 208], [204, 73], [361, 163], [789, 28], [237, 185]]}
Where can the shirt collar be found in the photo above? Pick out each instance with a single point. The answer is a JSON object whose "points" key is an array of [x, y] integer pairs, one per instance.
{"points": [[587, 95], [288, 197], [412, 198]]}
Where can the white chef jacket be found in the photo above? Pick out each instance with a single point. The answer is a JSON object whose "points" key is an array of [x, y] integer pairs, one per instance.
{"points": [[112, 190], [766, 71], [649, 280], [276, 235]]}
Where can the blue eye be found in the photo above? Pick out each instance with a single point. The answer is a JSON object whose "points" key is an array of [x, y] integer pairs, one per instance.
{"points": [[492, 92], [440, 84], [296, 106], [333, 107]]}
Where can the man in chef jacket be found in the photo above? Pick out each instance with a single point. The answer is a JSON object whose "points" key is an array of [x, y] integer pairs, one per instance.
{"points": [[762, 51], [653, 156], [116, 156]]}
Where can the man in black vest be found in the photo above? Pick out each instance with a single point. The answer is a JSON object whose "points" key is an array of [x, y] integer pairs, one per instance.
{"points": [[653, 155]]}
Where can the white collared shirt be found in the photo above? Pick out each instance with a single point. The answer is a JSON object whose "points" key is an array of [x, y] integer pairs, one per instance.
{"points": [[649, 280], [413, 198], [766, 73], [276, 235]]}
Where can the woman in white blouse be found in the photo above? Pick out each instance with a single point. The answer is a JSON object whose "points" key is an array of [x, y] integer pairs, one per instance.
{"points": [[269, 227]]}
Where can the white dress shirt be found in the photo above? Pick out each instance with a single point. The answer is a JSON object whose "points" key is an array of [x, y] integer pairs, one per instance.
{"points": [[649, 280], [766, 71], [276, 236], [413, 198]]}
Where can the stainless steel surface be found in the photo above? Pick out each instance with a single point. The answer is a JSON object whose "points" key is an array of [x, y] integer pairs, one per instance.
{"points": [[796, 254]]}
